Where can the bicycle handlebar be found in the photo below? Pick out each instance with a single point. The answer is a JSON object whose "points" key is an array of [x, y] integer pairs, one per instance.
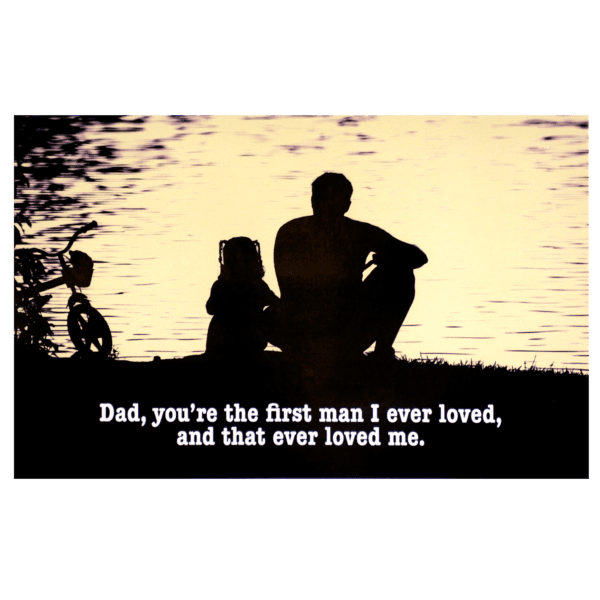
{"points": [[79, 232]]}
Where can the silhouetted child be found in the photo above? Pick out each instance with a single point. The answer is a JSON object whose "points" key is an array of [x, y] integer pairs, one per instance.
{"points": [[237, 300]]}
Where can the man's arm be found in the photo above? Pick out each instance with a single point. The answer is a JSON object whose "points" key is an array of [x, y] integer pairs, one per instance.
{"points": [[283, 258], [388, 249]]}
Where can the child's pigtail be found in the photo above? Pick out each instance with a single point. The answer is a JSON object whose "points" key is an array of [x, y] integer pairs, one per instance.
{"points": [[260, 262], [221, 246]]}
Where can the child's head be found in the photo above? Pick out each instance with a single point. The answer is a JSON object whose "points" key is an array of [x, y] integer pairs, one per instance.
{"points": [[240, 259]]}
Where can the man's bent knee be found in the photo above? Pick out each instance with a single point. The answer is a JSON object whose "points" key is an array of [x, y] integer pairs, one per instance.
{"points": [[389, 289]]}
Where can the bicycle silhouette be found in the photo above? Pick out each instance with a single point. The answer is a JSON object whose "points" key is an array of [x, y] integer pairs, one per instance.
{"points": [[87, 328]]}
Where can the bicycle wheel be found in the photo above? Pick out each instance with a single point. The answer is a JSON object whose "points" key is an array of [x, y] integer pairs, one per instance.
{"points": [[89, 331]]}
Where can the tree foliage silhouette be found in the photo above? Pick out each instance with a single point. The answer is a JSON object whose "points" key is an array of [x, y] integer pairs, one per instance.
{"points": [[51, 153]]}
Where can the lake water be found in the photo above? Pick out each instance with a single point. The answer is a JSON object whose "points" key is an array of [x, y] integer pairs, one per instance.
{"points": [[499, 205]]}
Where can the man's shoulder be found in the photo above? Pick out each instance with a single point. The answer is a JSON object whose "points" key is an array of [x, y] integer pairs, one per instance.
{"points": [[296, 226], [354, 223], [303, 226], [361, 227]]}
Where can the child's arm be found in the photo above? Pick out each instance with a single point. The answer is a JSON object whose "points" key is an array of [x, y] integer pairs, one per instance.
{"points": [[218, 299]]}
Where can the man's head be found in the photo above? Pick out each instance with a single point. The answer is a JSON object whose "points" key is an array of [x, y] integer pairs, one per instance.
{"points": [[331, 194]]}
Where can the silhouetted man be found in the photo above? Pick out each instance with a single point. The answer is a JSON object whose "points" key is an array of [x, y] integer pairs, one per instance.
{"points": [[326, 308]]}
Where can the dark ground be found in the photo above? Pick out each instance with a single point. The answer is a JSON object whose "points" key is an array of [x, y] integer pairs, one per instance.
{"points": [[544, 431]]}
